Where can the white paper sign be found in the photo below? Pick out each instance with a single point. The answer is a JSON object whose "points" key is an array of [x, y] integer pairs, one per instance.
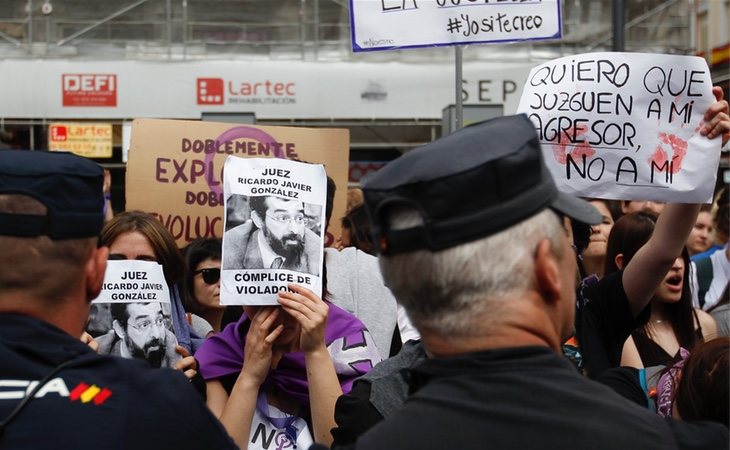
{"points": [[274, 218], [132, 281], [131, 316], [625, 125], [391, 24]]}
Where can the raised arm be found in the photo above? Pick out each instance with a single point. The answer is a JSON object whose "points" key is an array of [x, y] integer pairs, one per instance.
{"points": [[324, 387], [651, 263]]}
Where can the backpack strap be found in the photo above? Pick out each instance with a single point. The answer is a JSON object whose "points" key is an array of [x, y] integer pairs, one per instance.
{"points": [[704, 278], [648, 379]]}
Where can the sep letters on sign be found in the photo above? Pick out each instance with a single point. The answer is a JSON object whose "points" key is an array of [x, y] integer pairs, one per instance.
{"points": [[625, 125]]}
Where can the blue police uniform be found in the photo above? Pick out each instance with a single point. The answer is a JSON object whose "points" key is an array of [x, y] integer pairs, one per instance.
{"points": [[84, 400]]}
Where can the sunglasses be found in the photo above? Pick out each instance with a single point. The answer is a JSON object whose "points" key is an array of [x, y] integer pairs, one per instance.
{"points": [[210, 276]]}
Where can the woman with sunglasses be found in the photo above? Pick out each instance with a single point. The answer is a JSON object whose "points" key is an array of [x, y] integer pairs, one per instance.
{"points": [[201, 287]]}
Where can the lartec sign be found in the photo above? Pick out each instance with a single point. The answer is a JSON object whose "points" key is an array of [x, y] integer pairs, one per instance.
{"points": [[217, 91]]}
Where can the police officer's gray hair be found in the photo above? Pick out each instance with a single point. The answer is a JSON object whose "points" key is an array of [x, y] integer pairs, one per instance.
{"points": [[450, 291], [38, 266]]}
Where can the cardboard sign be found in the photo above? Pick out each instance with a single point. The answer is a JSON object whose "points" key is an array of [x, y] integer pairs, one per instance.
{"points": [[175, 168], [625, 125], [274, 222], [84, 139], [131, 316], [394, 24]]}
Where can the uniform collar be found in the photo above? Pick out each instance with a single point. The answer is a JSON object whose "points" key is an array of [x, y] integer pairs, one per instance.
{"points": [[476, 363], [35, 337]]}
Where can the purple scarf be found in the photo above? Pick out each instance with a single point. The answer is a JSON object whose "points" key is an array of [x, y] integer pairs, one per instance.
{"points": [[667, 385], [222, 354]]}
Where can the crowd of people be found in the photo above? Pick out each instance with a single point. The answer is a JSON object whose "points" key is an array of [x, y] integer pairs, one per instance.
{"points": [[450, 316]]}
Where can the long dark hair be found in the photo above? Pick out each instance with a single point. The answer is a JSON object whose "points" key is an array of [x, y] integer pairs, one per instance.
{"points": [[628, 235], [356, 220], [161, 240], [702, 393]]}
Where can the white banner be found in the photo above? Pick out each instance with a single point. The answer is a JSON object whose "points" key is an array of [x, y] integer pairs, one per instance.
{"points": [[274, 222], [394, 24], [625, 125], [270, 90]]}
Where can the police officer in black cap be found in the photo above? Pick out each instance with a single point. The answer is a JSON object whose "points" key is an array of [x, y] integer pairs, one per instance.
{"points": [[55, 392], [472, 244]]}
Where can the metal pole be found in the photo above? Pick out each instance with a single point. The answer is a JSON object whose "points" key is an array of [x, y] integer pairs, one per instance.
{"points": [[168, 19], [693, 28], [302, 24], [316, 29], [619, 22], [29, 5], [459, 112], [185, 28], [100, 22]]}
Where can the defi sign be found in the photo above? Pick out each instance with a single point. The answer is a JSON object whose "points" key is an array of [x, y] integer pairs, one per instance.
{"points": [[89, 89]]}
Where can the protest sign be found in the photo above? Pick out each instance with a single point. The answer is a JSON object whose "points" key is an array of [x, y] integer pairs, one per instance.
{"points": [[274, 221], [625, 125], [175, 168], [131, 315], [393, 24]]}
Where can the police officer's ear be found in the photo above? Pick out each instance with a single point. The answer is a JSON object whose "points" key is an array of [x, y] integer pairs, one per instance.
{"points": [[94, 271], [119, 329], [547, 273]]}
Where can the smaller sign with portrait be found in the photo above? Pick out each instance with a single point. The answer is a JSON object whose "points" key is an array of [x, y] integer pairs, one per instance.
{"points": [[274, 227], [131, 317]]}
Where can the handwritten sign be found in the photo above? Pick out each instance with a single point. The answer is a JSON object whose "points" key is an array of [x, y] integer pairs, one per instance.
{"points": [[175, 168], [625, 125], [274, 222], [392, 24], [84, 139]]}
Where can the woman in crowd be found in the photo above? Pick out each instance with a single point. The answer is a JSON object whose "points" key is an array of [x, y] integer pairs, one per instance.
{"points": [[279, 370], [673, 322], [356, 231], [701, 237], [594, 255], [201, 287], [138, 235], [694, 388]]}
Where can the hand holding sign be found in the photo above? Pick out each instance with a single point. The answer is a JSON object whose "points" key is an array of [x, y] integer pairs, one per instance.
{"points": [[310, 312], [716, 119], [625, 125]]}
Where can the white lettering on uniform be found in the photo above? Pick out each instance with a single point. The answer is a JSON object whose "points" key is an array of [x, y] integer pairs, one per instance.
{"points": [[55, 386]]}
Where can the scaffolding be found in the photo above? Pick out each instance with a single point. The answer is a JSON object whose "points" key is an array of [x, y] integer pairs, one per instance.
{"points": [[311, 30]]}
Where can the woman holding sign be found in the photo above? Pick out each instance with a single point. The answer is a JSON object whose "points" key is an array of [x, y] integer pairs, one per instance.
{"points": [[136, 235], [674, 325], [276, 374]]}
